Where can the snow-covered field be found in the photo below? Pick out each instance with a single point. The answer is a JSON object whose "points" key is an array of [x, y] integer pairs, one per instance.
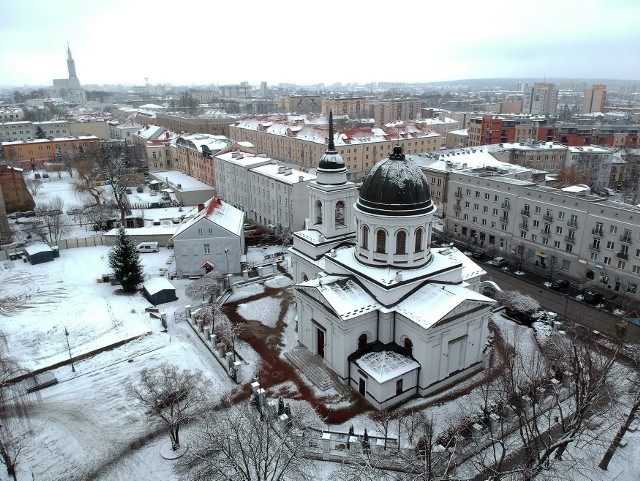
{"points": [[85, 427]]}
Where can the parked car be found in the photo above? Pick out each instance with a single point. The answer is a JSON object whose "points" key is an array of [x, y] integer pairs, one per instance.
{"points": [[478, 254], [499, 262], [560, 285], [129, 191], [593, 297], [29, 213], [45, 175], [36, 175], [140, 190], [15, 215], [153, 193]]}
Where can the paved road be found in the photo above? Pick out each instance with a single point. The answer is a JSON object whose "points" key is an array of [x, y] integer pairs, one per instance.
{"points": [[576, 311]]}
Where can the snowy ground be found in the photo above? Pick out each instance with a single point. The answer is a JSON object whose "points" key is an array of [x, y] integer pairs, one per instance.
{"points": [[86, 428]]}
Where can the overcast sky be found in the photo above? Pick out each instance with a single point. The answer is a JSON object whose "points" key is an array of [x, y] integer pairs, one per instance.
{"points": [[307, 41]]}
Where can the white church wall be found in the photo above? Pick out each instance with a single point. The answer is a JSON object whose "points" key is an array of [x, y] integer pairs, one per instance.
{"points": [[384, 395]]}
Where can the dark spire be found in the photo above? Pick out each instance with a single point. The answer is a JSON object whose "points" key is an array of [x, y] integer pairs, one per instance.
{"points": [[397, 153], [331, 149]]}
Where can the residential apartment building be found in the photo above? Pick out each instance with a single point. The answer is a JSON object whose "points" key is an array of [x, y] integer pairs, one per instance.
{"points": [[547, 156], [303, 143], [542, 99], [302, 104], [386, 111], [594, 99], [11, 114], [194, 155], [563, 232], [495, 129], [179, 122], [35, 153], [270, 194], [23, 131], [353, 107], [123, 130], [595, 160]]}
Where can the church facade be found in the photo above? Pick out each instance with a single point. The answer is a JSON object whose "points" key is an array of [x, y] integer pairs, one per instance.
{"points": [[391, 316]]}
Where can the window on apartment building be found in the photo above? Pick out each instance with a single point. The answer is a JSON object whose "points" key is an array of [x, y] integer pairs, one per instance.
{"points": [[484, 221], [558, 229], [207, 249], [199, 231], [560, 215], [556, 244], [503, 227], [534, 237], [496, 198], [476, 207], [465, 217], [468, 191], [536, 223], [466, 204], [607, 260], [621, 264], [485, 209], [611, 245], [486, 196], [538, 209], [523, 234], [594, 256], [568, 247], [477, 194], [613, 229], [632, 287], [635, 269]]}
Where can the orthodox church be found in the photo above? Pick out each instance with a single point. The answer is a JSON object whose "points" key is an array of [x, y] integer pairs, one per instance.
{"points": [[391, 316]]}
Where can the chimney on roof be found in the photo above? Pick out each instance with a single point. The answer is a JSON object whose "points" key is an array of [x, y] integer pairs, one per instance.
{"points": [[167, 134], [200, 207], [301, 178]]}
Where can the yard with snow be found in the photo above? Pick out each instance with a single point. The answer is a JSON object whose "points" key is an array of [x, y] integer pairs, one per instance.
{"points": [[86, 427]]}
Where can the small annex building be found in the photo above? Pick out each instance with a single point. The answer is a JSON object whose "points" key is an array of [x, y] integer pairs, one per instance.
{"points": [[39, 253], [159, 290]]}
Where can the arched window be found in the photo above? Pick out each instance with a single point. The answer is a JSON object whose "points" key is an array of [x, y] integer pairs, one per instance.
{"points": [[365, 237], [408, 344], [419, 240], [401, 242], [318, 212], [340, 213], [362, 340], [381, 241]]}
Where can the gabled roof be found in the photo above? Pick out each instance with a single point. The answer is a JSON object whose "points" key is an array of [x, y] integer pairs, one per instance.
{"points": [[217, 212]]}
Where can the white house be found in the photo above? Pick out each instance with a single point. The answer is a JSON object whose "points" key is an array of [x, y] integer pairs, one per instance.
{"points": [[391, 316], [209, 239]]}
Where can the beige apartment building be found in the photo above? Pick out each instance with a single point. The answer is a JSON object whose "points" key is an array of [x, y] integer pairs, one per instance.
{"points": [[177, 122], [547, 156], [353, 107], [387, 111], [561, 232], [594, 99], [301, 104], [303, 144]]}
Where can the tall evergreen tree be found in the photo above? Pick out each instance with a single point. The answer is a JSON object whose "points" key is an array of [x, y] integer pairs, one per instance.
{"points": [[40, 133], [124, 259]]}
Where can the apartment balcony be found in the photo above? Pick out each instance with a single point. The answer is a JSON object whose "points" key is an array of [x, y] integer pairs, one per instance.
{"points": [[525, 212], [573, 224], [505, 205], [597, 232], [547, 218], [523, 226], [457, 207], [545, 233], [458, 194], [622, 255], [570, 239], [594, 248], [626, 239]]}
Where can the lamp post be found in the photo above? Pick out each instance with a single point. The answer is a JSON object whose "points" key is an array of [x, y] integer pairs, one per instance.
{"points": [[66, 333], [226, 254]]}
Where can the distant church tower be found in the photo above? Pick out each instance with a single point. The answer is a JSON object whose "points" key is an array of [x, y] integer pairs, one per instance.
{"points": [[71, 64], [70, 88]]}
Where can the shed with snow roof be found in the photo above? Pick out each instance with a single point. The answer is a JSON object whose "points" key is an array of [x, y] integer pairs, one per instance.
{"points": [[39, 253], [159, 290]]}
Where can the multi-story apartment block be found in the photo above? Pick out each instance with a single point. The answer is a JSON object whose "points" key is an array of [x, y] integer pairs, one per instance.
{"points": [[179, 122], [11, 114], [595, 160], [302, 104], [488, 129], [35, 153], [583, 236], [542, 99], [123, 130], [272, 195], [195, 153], [353, 107], [23, 131], [303, 143], [594, 99], [547, 156], [386, 111], [159, 147]]}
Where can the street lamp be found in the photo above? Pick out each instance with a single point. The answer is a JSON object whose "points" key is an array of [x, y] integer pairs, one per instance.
{"points": [[226, 254], [66, 333]]}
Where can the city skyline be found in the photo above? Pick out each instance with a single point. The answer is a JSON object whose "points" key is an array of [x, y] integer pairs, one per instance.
{"points": [[192, 44]]}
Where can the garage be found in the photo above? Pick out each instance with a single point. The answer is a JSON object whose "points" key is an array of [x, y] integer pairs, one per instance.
{"points": [[159, 290], [38, 253]]}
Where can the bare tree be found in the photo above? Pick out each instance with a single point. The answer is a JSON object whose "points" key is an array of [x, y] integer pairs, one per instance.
{"points": [[228, 332], [172, 395], [208, 286], [13, 409], [517, 304], [51, 219], [33, 186], [235, 443]]}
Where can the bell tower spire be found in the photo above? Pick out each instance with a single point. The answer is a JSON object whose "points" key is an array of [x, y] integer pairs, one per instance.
{"points": [[71, 64]]}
